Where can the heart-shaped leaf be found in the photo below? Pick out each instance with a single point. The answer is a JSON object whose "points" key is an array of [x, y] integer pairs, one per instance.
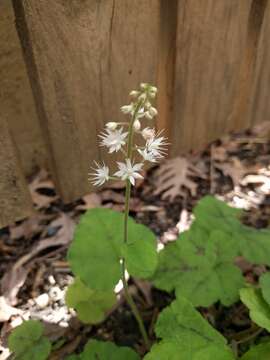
{"points": [[27, 341], [91, 305], [98, 247], [199, 266], [184, 332]]}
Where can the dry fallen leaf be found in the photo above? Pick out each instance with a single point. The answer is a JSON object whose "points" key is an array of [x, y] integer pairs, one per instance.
{"points": [[40, 181], [233, 168], [14, 279], [173, 175], [27, 228]]}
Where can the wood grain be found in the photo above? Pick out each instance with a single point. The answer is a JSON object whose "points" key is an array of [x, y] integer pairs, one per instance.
{"points": [[83, 58], [16, 99], [259, 110], [210, 43], [15, 199]]}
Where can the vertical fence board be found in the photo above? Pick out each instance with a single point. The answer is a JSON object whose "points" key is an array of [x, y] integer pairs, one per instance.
{"points": [[16, 99], [15, 199], [83, 58], [260, 99], [210, 41]]}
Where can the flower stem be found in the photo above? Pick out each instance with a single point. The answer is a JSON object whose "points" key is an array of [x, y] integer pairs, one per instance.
{"points": [[129, 299]]}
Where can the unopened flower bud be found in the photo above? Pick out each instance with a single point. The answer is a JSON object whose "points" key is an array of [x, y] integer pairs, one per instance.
{"points": [[137, 125], [148, 115], [147, 105], [134, 93], [148, 133], [142, 97], [153, 111], [127, 109], [152, 92], [143, 86], [111, 125]]}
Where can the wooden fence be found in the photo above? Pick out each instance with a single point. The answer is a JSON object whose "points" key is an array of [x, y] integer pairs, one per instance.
{"points": [[209, 58]]}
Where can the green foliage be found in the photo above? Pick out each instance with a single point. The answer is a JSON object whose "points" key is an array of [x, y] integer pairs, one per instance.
{"points": [[212, 213], [200, 264], [98, 246], [259, 352], [259, 309], [265, 286], [215, 353], [90, 305], [254, 244], [27, 342], [184, 332], [99, 350]]}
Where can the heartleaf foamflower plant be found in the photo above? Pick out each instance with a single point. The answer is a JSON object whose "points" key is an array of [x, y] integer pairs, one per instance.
{"points": [[107, 244]]}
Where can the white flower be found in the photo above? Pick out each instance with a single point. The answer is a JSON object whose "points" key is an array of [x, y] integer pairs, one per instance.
{"points": [[100, 175], [111, 125], [113, 140], [137, 125], [156, 145], [148, 133], [129, 171], [127, 109], [149, 155]]}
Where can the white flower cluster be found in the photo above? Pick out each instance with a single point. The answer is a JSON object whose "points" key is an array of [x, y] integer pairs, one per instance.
{"points": [[115, 139]]}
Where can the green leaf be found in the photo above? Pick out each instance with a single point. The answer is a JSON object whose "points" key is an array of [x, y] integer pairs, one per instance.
{"points": [[259, 352], [200, 267], [184, 333], [99, 350], [212, 213], [259, 310], [254, 244], [27, 341], [167, 350], [215, 353], [90, 305], [98, 246], [265, 286], [182, 323], [170, 350]]}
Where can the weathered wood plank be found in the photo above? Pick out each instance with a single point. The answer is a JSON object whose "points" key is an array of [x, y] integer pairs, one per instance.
{"points": [[16, 99], [15, 202], [83, 58], [260, 103], [245, 80], [211, 38]]}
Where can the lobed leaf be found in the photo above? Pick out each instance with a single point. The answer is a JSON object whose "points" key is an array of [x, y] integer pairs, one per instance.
{"points": [[254, 244], [91, 305], [27, 341], [212, 213], [186, 335], [259, 309], [100, 350], [199, 266], [97, 248]]}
